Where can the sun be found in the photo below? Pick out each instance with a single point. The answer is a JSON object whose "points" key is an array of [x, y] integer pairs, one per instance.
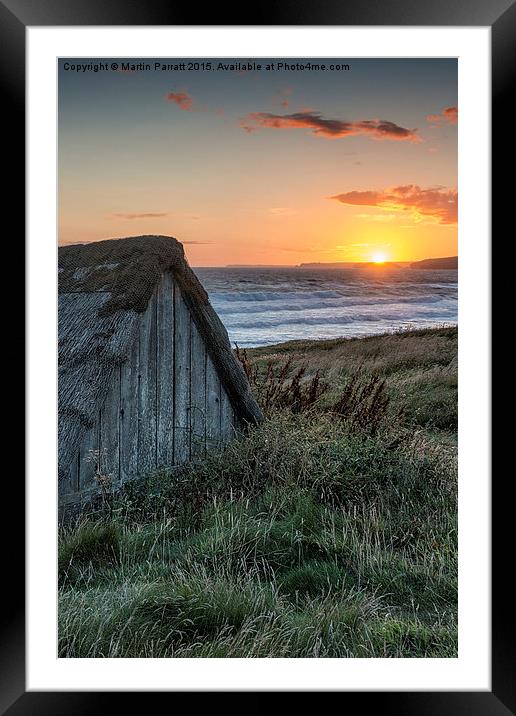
{"points": [[378, 258]]}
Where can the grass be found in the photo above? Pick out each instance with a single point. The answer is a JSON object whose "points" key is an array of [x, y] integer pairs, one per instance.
{"points": [[419, 368], [309, 537]]}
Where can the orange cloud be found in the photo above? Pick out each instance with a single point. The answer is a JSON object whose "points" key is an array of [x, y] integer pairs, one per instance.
{"points": [[329, 128], [435, 203], [449, 115], [182, 99], [282, 211], [149, 215]]}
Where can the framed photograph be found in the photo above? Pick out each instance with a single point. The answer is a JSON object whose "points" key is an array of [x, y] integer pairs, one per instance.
{"points": [[258, 355]]}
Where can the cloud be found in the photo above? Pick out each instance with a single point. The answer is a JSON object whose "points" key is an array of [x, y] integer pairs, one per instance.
{"points": [[303, 249], [329, 128], [282, 211], [182, 99], [378, 217], [148, 215], [348, 247], [436, 203], [449, 115]]}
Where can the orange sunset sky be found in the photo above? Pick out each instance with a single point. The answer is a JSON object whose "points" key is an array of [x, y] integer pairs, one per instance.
{"points": [[264, 167]]}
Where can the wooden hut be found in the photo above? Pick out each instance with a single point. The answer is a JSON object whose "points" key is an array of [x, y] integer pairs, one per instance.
{"points": [[147, 376]]}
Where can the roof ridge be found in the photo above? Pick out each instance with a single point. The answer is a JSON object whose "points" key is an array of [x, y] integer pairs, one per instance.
{"points": [[140, 262]]}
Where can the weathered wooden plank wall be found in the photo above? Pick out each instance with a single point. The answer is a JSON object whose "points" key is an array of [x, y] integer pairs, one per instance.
{"points": [[147, 393], [129, 424], [226, 417], [166, 404], [69, 483], [165, 365], [87, 458], [213, 421], [181, 380], [197, 393], [109, 432]]}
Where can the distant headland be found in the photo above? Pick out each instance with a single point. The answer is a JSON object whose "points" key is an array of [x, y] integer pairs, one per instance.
{"points": [[446, 262], [356, 264]]}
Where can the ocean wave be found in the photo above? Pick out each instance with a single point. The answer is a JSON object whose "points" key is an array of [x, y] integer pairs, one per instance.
{"points": [[263, 307], [275, 321], [300, 302], [241, 296]]}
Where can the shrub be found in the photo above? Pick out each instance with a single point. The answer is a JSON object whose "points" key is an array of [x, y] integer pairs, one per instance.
{"points": [[363, 403], [281, 388]]}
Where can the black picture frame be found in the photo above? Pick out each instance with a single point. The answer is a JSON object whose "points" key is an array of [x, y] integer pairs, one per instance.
{"points": [[15, 17]]}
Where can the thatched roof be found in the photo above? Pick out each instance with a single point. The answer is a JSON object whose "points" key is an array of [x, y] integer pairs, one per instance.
{"points": [[103, 287]]}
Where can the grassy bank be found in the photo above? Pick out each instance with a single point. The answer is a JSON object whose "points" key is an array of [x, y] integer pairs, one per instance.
{"points": [[328, 531]]}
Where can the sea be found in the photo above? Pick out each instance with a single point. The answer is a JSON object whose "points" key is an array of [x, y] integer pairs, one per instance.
{"points": [[265, 306]]}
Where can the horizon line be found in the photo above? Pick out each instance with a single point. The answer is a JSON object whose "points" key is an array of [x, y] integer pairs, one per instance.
{"points": [[327, 263]]}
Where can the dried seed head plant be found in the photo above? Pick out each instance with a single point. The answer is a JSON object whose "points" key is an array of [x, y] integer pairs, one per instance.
{"points": [[103, 479]]}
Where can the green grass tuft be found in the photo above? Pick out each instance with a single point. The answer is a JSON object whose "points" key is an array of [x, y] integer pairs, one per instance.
{"points": [[316, 578], [90, 544]]}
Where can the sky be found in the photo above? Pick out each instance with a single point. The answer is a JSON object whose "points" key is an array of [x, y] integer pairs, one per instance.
{"points": [[278, 166]]}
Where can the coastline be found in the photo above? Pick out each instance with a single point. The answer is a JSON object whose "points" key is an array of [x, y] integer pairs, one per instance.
{"points": [[328, 343]]}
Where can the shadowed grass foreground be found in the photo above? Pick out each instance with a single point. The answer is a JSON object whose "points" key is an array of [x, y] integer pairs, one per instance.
{"points": [[309, 537]]}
